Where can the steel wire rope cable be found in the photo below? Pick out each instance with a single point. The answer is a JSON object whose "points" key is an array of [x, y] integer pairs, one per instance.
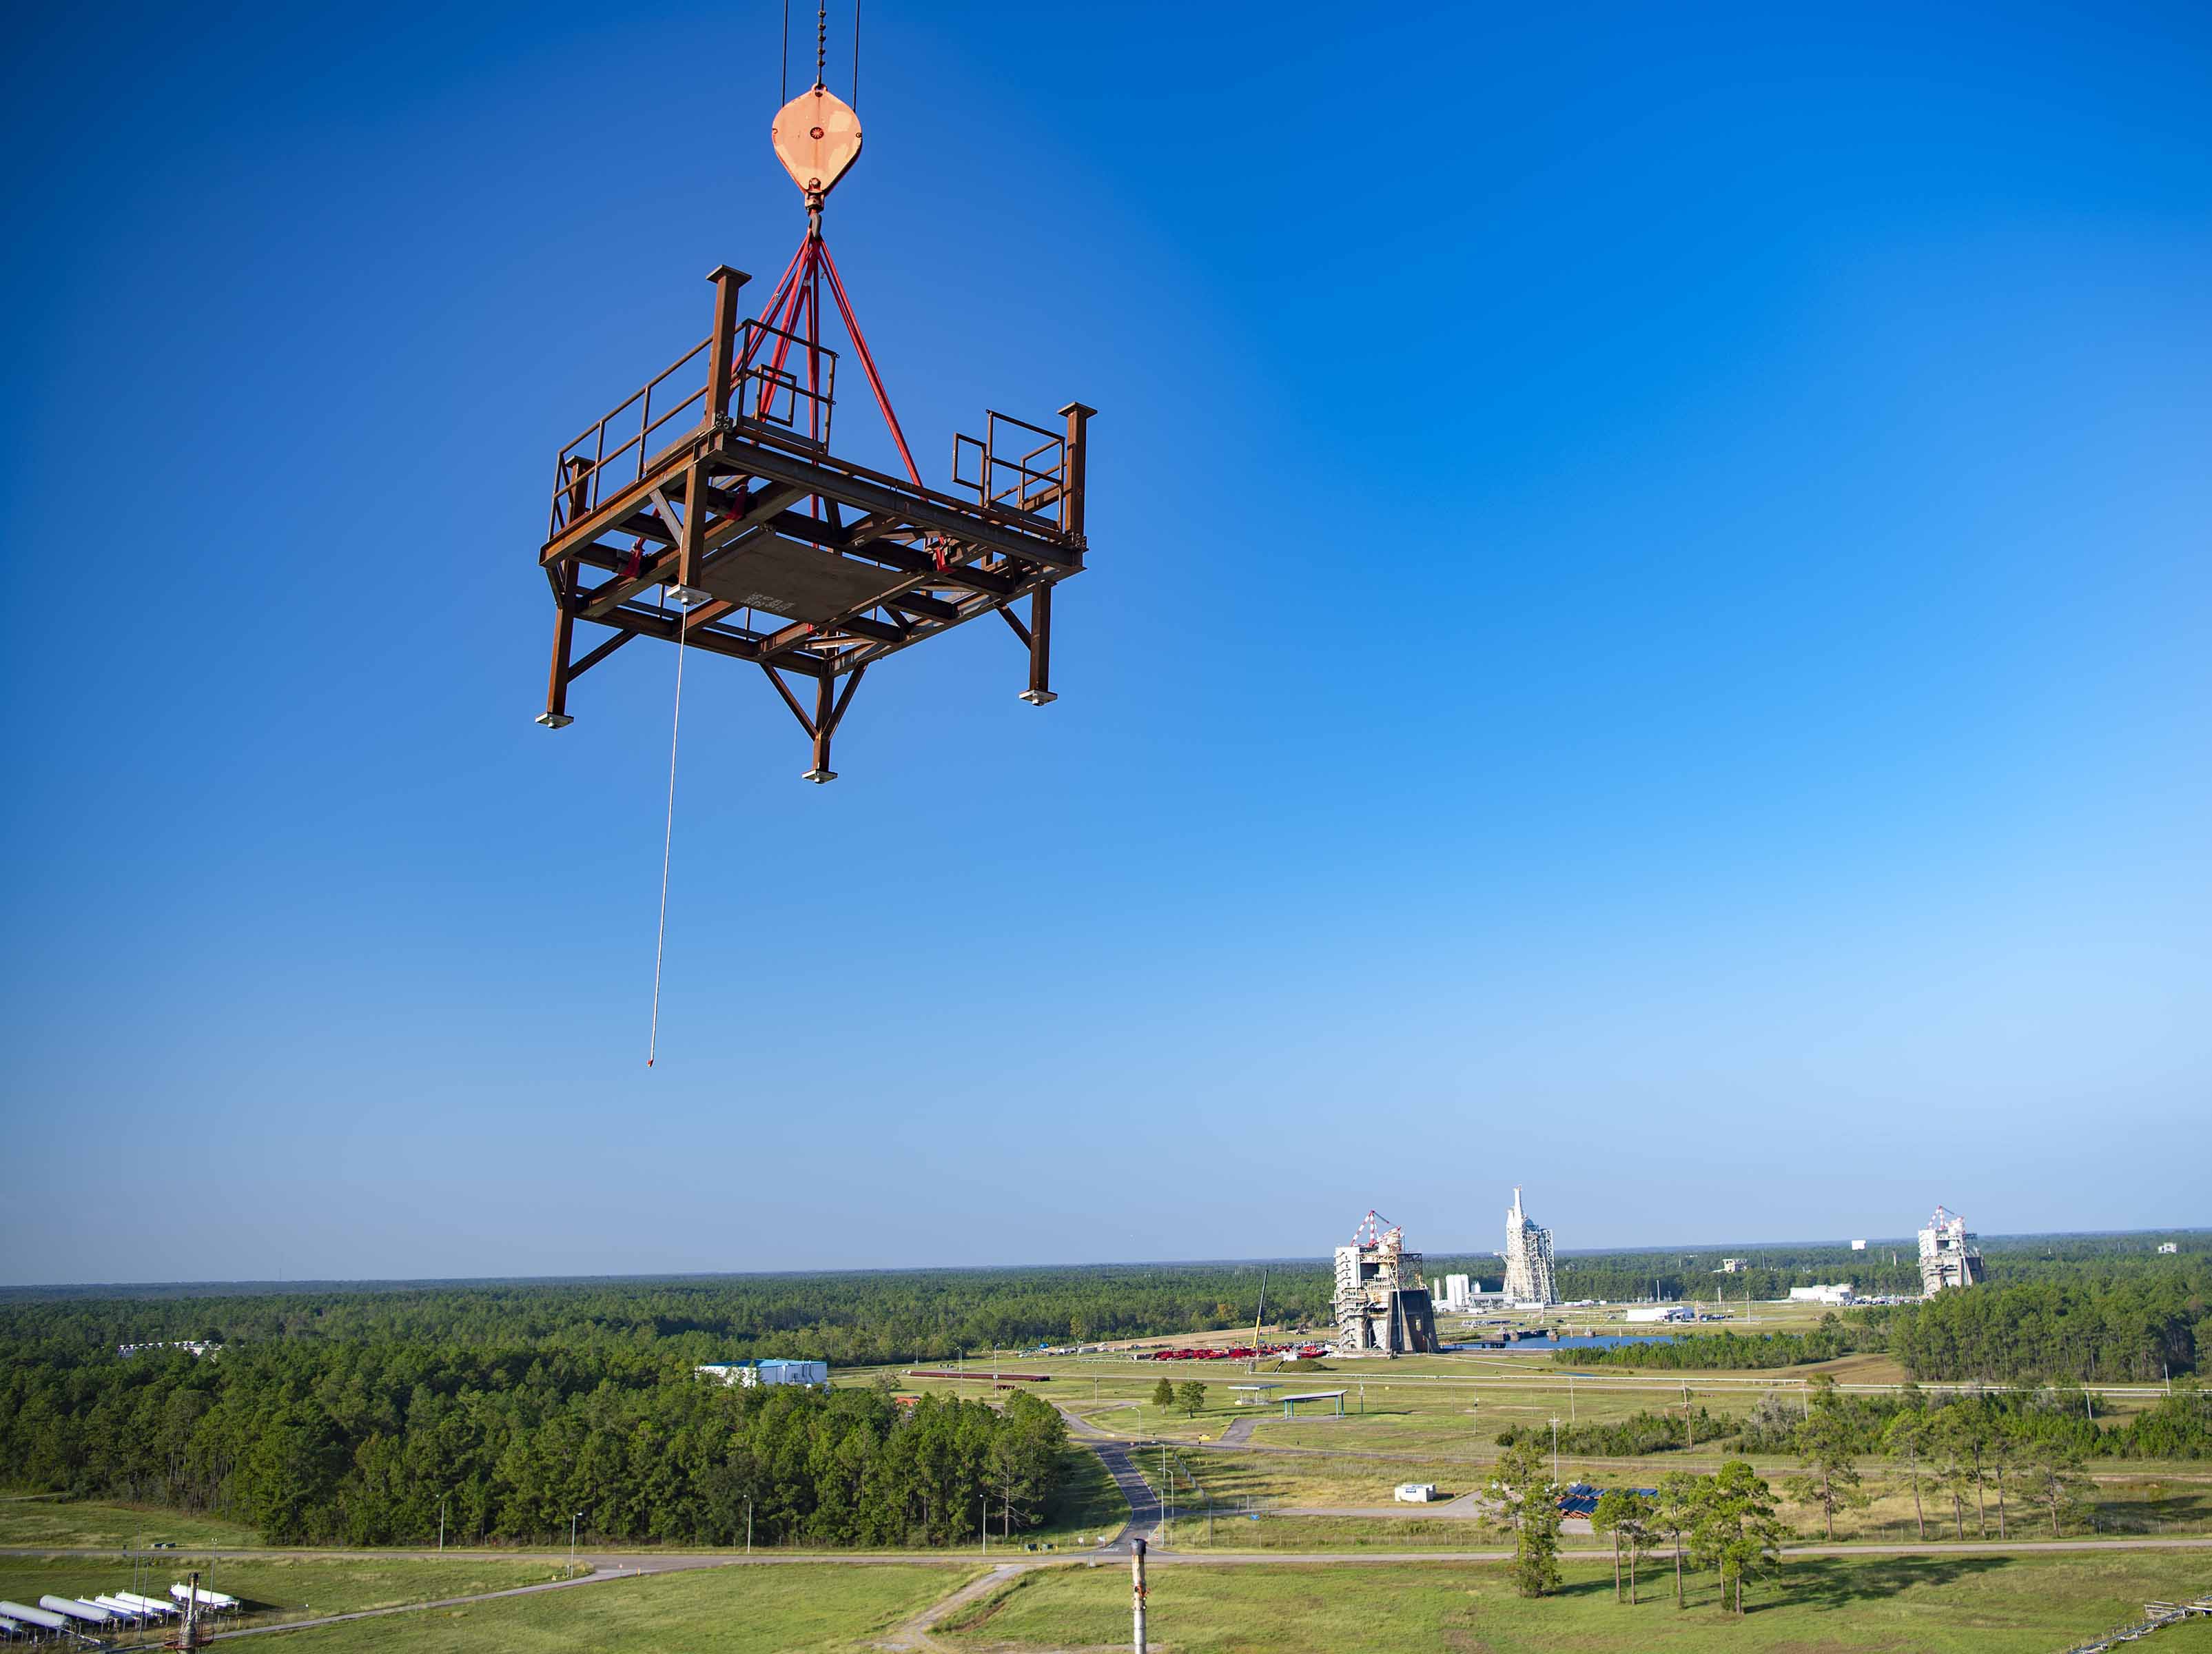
{"points": [[668, 835]]}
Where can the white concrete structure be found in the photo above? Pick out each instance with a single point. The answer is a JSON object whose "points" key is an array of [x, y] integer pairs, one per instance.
{"points": [[1415, 1493], [1948, 1256], [1841, 1292], [2165, 1247], [1858, 1246], [1458, 1293], [1733, 1265], [1528, 1275]]}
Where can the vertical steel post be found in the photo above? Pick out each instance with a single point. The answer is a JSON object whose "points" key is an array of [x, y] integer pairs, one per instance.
{"points": [[1137, 1587], [1071, 461], [825, 723], [720, 350], [1040, 693], [556, 715], [691, 544]]}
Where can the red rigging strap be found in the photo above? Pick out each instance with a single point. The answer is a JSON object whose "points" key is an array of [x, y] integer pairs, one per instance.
{"points": [[867, 361], [793, 301]]}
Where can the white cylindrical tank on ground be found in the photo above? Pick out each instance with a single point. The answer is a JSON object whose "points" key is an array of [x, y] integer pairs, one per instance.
{"points": [[146, 1604], [208, 1599], [117, 1605], [76, 1610], [32, 1616]]}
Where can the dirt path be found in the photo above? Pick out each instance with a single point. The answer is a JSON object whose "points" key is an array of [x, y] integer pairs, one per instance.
{"points": [[914, 1634]]}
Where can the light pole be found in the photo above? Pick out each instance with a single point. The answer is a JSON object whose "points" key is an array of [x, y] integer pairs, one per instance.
{"points": [[442, 1497], [1555, 1447], [749, 1525], [572, 1516], [986, 1502]]}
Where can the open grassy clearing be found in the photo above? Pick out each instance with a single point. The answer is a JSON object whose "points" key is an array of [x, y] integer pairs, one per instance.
{"points": [[273, 1588], [1885, 1605], [734, 1610], [49, 1519], [1439, 1420]]}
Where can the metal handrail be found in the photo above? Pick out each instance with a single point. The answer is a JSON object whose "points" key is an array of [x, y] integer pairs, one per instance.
{"points": [[566, 481], [1015, 495]]}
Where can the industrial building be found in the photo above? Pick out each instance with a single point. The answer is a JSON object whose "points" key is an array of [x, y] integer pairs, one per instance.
{"points": [[1660, 1312], [749, 1375], [1382, 1306], [1948, 1256], [1528, 1274], [1842, 1293]]}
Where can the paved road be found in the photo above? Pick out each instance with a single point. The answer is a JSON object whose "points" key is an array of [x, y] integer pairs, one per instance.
{"points": [[1143, 1505]]}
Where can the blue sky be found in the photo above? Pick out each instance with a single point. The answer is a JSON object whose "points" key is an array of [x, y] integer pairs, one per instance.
{"points": [[1646, 637]]}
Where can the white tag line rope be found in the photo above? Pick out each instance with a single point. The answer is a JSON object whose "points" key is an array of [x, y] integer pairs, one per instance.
{"points": [[668, 837]]}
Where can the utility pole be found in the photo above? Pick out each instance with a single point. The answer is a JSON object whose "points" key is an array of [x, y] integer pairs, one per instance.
{"points": [[442, 1497], [572, 1516], [749, 1525], [1137, 1594], [1555, 1447], [985, 1500]]}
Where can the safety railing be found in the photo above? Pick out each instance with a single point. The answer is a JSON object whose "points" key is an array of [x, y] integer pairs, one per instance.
{"points": [[772, 394], [782, 390], [1028, 481], [585, 464]]}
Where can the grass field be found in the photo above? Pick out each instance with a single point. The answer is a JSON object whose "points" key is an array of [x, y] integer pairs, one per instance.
{"points": [[46, 1519], [1437, 1418], [735, 1610], [1890, 1605]]}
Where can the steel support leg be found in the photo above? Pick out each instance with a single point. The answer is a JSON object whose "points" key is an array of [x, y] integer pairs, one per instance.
{"points": [[556, 715], [825, 725], [1039, 693]]}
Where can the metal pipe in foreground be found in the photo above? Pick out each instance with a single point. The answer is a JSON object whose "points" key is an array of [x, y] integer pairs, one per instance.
{"points": [[1137, 1583]]}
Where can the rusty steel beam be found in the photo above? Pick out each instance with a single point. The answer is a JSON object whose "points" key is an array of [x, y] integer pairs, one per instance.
{"points": [[955, 521]]}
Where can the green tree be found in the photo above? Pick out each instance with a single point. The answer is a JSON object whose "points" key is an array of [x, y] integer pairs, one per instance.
{"points": [[1824, 1441], [1626, 1515], [1681, 1493], [1163, 1393], [1525, 1501], [1906, 1439], [1737, 1531], [1954, 1441], [2051, 1477], [1190, 1395]]}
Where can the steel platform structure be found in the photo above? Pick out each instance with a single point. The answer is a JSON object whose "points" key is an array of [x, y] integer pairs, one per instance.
{"points": [[709, 510]]}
